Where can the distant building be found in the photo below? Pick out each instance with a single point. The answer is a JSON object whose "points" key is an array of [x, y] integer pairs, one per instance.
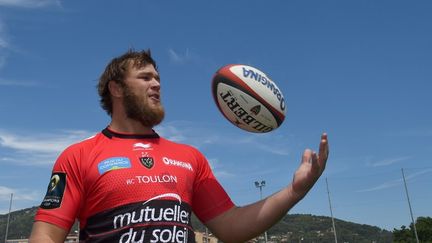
{"points": [[69, 239], [17, 241], [202, 237]]}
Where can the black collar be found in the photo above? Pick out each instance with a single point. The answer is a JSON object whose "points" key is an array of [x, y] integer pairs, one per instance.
{"points": [[110, 134]]}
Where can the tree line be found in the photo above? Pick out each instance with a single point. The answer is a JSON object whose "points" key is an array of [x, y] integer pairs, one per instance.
{"points": [[293, 227]]}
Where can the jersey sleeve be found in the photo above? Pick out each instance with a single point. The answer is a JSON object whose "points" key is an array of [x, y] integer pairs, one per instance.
{"points": [[62, 201], [209, 197]]}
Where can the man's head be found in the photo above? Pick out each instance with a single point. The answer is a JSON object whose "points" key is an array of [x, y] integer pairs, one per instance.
{"points": [[135, 78]]}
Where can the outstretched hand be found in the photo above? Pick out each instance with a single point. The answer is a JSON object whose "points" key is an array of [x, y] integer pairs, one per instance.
{"points": [[311, 168], [240, 224]]}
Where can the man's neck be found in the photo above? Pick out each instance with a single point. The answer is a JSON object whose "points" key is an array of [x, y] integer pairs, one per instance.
{"points": [[129, 126]]}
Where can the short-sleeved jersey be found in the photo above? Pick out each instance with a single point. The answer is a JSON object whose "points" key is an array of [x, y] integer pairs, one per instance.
{"points": [[132, 188]]}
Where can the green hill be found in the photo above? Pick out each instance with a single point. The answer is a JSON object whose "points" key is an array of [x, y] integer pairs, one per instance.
{"points": [[310, 228], [20, 223], [292, 228]]}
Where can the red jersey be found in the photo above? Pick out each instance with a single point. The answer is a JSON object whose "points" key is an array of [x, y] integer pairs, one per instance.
{"points": [[132, 188]]}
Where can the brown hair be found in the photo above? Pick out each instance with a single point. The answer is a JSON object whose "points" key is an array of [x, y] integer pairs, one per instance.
{"points": [[116, 71]]}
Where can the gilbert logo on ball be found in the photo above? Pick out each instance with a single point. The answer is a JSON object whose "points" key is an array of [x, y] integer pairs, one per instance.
{"points": [[248, 98]]}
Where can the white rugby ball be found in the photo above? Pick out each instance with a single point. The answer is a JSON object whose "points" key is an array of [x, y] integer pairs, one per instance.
{"points": [[248, 98]]}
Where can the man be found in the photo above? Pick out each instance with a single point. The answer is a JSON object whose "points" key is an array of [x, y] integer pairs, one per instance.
{"points": [[127, 184]]}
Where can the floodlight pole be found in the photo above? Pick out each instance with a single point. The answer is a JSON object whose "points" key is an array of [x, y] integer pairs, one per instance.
{"points": [[409, 205], [260, 185], [331, 212], [8, 218]]}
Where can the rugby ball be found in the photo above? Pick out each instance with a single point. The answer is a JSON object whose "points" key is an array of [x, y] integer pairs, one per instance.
{"points": [[248, 98]]}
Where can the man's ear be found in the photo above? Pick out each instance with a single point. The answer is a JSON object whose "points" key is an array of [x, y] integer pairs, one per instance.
{"points": [[115, 89]]}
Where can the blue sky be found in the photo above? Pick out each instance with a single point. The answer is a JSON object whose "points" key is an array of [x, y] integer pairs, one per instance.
{"points": [[359, 70]]}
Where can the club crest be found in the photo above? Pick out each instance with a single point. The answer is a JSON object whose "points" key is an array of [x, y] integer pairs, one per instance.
{"points": [[148, 162]]}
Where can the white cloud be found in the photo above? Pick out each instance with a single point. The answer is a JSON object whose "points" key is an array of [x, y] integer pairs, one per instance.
{"points": [[4, 82], [3, 45], [394, 183], [389, 161], [18, 194], [419, 132], [200, 135], [3, 42], [22, 198], [5, 192], [269, 143], [180, 58], [385, 185], [2, 60], [34, 149], [172, 133], [203, 136], [43, 149], [30, 3], [38, 143], [218, 169]]}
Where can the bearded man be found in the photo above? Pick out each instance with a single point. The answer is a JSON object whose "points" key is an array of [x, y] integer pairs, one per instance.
{"points": [[128, 184]]}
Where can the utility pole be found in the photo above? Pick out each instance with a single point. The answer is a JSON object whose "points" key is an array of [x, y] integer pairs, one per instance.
{"points": [[409, 205], [8, 218], [260, 185], [331, 212]]}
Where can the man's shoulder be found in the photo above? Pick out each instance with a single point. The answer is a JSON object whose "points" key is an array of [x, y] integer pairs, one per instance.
{"points": [[86, 143]]}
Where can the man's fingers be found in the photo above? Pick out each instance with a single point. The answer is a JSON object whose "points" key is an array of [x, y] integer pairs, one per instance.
{"points": [[311, 159], [316, 166], [307, 156], [323, 149], [317, 161]]}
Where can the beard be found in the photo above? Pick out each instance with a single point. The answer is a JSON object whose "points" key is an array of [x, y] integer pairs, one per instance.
{"points": [[138, 108]]}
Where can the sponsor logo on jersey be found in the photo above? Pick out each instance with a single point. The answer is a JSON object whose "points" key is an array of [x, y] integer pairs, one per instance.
{"points": [[142, 146], [54, 195], [156, 179], [114, 163], [170, 216], [148, 162], [55, 180], [178, 163], [147, 179], [164, 217]]}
